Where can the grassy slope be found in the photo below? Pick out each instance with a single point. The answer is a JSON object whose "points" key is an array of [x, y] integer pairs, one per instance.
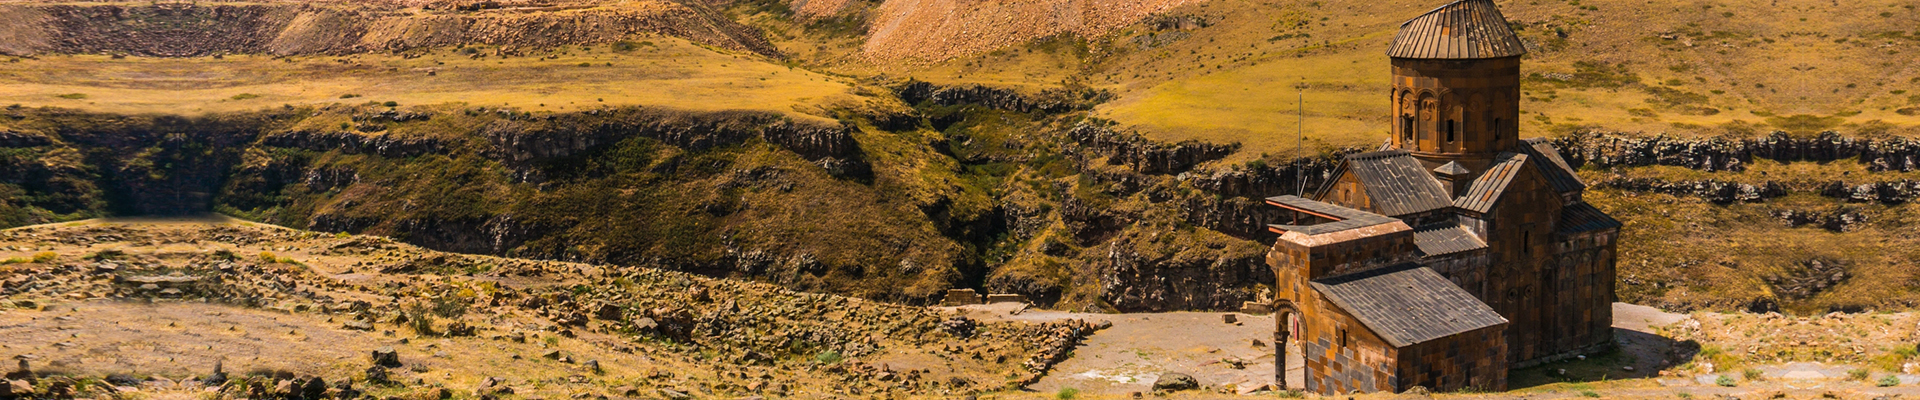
{"points": [[1226, 79], [1693, 68], [1635, 66], [656, 71]]}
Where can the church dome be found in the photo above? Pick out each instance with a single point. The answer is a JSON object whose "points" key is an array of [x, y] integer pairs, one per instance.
{"points": [[1464, 30]]}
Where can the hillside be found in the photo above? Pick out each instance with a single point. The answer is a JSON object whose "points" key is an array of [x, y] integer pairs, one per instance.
{"points": [[188, 29], [648, 70], [1227, 71], [238, 307], [1675, 106], [1105, 156]]}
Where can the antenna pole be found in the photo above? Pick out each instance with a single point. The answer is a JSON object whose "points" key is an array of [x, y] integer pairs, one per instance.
{"points": [[1300, 148]]}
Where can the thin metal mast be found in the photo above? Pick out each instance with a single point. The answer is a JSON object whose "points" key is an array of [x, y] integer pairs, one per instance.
{"points": [[1300, 148]]}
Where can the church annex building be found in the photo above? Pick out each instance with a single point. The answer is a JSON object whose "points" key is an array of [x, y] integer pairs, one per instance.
{"points": [[1457, 252]]}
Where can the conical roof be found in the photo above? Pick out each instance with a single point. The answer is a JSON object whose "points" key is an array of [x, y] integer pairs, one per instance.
{"points": [[1452, 169], [1464, 29]]}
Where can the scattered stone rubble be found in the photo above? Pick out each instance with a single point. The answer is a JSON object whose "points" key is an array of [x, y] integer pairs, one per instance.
{"points": [[758, 338]]}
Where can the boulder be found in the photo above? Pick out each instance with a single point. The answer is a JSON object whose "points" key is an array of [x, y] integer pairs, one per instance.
{"points": [[19, 388], [610, 312], [459, 329], [960, 327], [386, 357], [378, 375], [1174, 382], [493, 386], [284, 389], [313, 389]]}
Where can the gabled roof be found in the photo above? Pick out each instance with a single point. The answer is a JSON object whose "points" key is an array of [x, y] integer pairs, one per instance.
{"points": [[1583, 217], [1396, 183], [1407, 304], [1343, 218], [1559, 174], [1443, 239], [1487, 188], [1465, 29]]}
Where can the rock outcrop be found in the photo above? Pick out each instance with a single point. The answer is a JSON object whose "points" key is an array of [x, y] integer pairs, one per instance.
{"points": [[1608, 149], [1145, 156]]}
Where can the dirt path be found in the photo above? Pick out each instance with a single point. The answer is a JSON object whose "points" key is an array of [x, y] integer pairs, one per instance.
{"points": [[1139, 348], [1129, 356]]}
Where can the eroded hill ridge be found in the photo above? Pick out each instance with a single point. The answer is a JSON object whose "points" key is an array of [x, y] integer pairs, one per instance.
{"points": [[188, 29]]}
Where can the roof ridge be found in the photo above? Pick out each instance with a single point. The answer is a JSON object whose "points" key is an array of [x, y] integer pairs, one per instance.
{"points": [[1434, 10], [1378, 154]]}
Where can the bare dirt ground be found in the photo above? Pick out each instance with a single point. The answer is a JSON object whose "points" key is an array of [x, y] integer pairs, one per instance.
{"points": [[161, 303], [1131, 355], [144, 308]]}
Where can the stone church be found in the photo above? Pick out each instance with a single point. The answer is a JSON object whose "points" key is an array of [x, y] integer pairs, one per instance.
{"points": [[1458, 251]]}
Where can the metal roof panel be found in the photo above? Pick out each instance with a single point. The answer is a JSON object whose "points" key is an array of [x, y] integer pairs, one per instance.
{"points": [[1408, 304], [1583, 217], [1559, 174], [1487, 189], [1397, 183], [1465, 29], [1443, 239]]}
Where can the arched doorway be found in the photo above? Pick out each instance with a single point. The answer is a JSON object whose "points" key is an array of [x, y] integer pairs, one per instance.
{"points": [[1289, 361]]}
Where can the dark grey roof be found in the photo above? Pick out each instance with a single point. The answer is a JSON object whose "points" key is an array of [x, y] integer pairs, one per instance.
{"points": [[1488, 187], [1465, 29], [1343, 218], [1396, 183], [1408, 304], [1559, 174], [1448, 238], [1583, 217]]}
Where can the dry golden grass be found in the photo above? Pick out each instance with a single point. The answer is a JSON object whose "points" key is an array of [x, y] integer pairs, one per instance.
{"points": [[1750, 61], [659, 71], [1682, 253], [1749, 66]]}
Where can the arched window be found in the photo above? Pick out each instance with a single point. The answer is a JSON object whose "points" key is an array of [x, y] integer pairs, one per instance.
{"points": [[1406, 128], [1450, 131], [1498, 125]]}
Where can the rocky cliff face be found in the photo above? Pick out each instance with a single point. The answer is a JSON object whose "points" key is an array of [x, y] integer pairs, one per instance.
{"points": [[1607, 149], [1144, 156], [90, 164], [526, 141]]}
